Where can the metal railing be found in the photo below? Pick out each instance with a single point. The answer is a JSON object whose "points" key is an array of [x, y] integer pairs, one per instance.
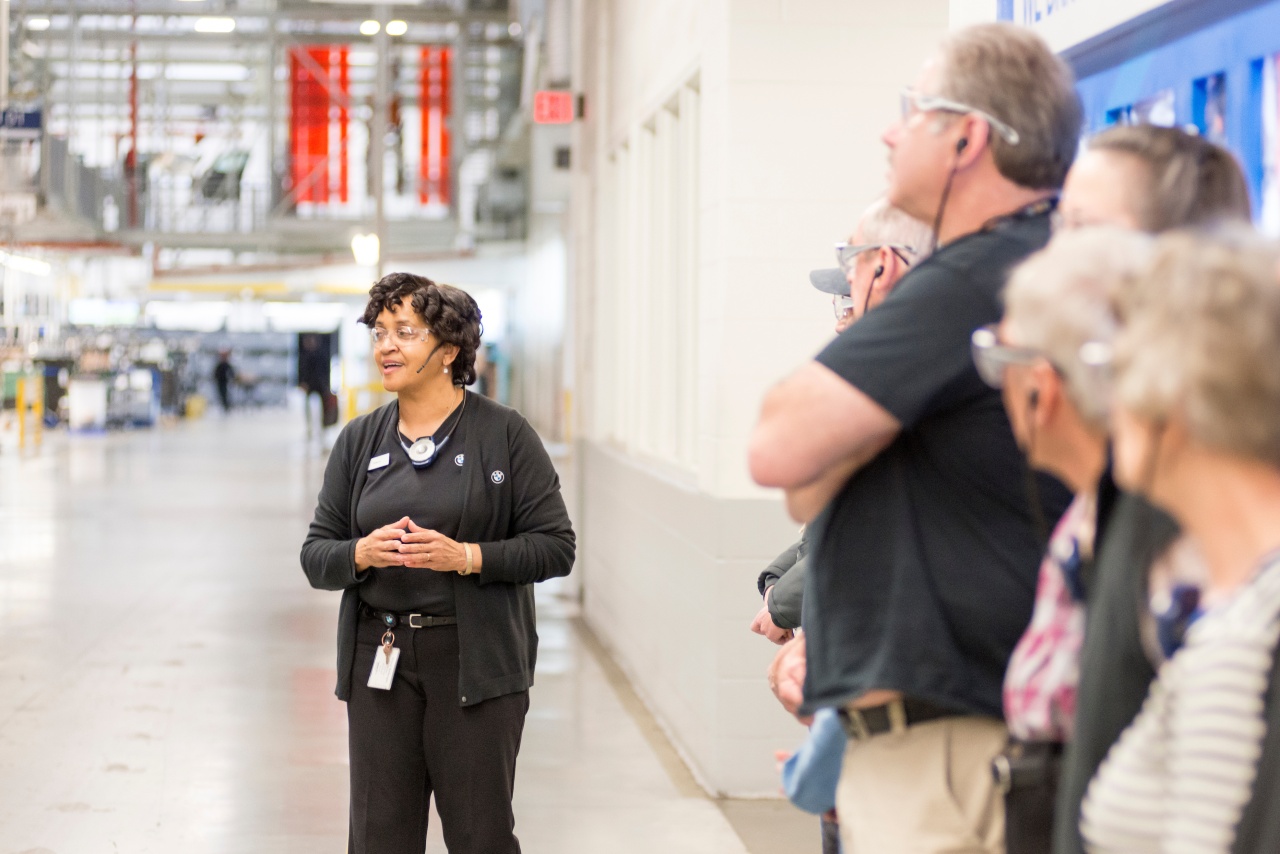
{"points": [[179, 207]]}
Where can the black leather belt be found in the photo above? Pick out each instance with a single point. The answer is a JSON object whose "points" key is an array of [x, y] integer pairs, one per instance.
{"points": [[861, 724], [414, 621]]}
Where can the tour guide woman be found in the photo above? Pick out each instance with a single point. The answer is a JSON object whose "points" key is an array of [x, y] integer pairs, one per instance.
{"points": [[437, 513]]}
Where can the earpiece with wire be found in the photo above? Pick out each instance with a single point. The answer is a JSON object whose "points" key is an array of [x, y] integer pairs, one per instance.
{"points": [[961, 144], [871, 286], [1038, 520]]}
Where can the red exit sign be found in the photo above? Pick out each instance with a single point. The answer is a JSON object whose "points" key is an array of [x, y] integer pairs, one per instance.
{"points": [[553, 108]]}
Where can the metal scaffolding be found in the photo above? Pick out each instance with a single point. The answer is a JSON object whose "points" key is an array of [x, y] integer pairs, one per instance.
{"points": [[170, 129]]}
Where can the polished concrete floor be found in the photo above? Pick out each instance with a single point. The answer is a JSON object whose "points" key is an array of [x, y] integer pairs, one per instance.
{"points": [[166, 673]]}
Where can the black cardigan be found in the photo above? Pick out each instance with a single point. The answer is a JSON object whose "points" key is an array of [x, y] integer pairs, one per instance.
{"points": [[511, 507]]}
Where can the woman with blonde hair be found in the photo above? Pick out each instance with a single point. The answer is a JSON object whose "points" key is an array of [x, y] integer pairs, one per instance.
{"points": [[1149, 179]]}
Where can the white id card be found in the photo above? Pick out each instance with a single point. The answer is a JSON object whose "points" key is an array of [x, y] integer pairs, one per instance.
{"points": [[384, 667]]}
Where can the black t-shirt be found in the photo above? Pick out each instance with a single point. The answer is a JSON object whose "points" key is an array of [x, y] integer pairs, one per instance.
{"points": [[923, 570], [431, 497]]}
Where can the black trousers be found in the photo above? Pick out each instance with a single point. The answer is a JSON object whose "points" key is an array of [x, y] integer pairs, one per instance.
{"points": [[831, 837], [415, 740]]}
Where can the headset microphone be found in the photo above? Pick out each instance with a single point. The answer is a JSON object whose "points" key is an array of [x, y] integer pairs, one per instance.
{"points": [[429, 355]]}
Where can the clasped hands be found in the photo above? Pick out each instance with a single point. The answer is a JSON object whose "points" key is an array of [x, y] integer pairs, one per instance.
{"points": [[405, 543], [763, 623]]}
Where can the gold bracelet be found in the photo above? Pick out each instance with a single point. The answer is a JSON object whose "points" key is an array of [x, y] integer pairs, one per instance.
{"points": [[466, 547]]}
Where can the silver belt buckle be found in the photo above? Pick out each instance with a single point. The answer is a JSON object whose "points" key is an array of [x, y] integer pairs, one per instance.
{"points": [[897, 711], [414, 625], [858, 729], [1003, 773]]}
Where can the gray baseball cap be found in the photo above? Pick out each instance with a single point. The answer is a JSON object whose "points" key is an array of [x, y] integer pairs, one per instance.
{"points": [[830, 281]]}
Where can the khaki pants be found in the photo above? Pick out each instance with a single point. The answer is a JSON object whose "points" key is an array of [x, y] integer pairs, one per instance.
{"points": [[926, 790]]}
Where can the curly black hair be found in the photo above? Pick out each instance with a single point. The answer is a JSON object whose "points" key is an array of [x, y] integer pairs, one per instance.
{"points": [[450, 313]]}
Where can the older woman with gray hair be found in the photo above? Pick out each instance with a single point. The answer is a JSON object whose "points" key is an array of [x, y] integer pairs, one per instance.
{"points": [[1197, 430], [1057, 311]]}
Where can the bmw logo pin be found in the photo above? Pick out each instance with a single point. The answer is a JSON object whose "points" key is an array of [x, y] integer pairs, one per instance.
{"points": [[497, 477]]}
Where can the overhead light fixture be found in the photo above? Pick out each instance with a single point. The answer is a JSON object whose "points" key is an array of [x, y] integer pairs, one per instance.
{"points": [[370, 28], [25, 264], [515, 30], [366, 249], [397, 28], [37, 24], [215, 25]]}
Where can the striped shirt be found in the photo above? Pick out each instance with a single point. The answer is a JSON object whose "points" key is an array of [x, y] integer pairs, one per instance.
{"points": [[1178, 779]]}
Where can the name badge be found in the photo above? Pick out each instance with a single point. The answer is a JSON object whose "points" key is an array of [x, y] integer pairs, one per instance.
{"points": [[380, 462], [384, 663]]}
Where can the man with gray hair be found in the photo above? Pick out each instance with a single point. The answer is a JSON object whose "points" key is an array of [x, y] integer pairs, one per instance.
{"points": [[884, 245], [923, 571]]}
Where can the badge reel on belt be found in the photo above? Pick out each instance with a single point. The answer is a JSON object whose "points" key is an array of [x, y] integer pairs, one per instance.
{"points": [[384, 663]]}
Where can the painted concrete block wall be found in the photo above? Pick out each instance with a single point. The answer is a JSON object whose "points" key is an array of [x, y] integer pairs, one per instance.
{"points": [[794, 97], [812, 86], [966, 12], [669, 589]]}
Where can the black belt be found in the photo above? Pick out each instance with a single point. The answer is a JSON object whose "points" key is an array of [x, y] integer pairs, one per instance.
{"points": [[1023, 764], [414, 621], [862, 724]]}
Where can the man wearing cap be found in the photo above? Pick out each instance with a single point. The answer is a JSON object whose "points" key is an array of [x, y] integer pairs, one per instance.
{"points": [[925, 555], [884, 245]]}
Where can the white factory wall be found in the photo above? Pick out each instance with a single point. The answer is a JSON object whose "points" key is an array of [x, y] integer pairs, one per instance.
{"points": [[727, 145]]}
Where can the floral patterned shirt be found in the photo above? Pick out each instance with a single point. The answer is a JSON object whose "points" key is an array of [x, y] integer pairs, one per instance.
{"points": [[1044, 672]]}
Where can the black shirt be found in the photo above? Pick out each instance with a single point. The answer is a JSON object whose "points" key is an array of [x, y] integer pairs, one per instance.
{"points": [[923, 570], [431, 497]]}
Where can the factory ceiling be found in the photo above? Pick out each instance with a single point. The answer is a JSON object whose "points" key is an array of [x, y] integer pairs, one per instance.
{"points": [[176, 124]]}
